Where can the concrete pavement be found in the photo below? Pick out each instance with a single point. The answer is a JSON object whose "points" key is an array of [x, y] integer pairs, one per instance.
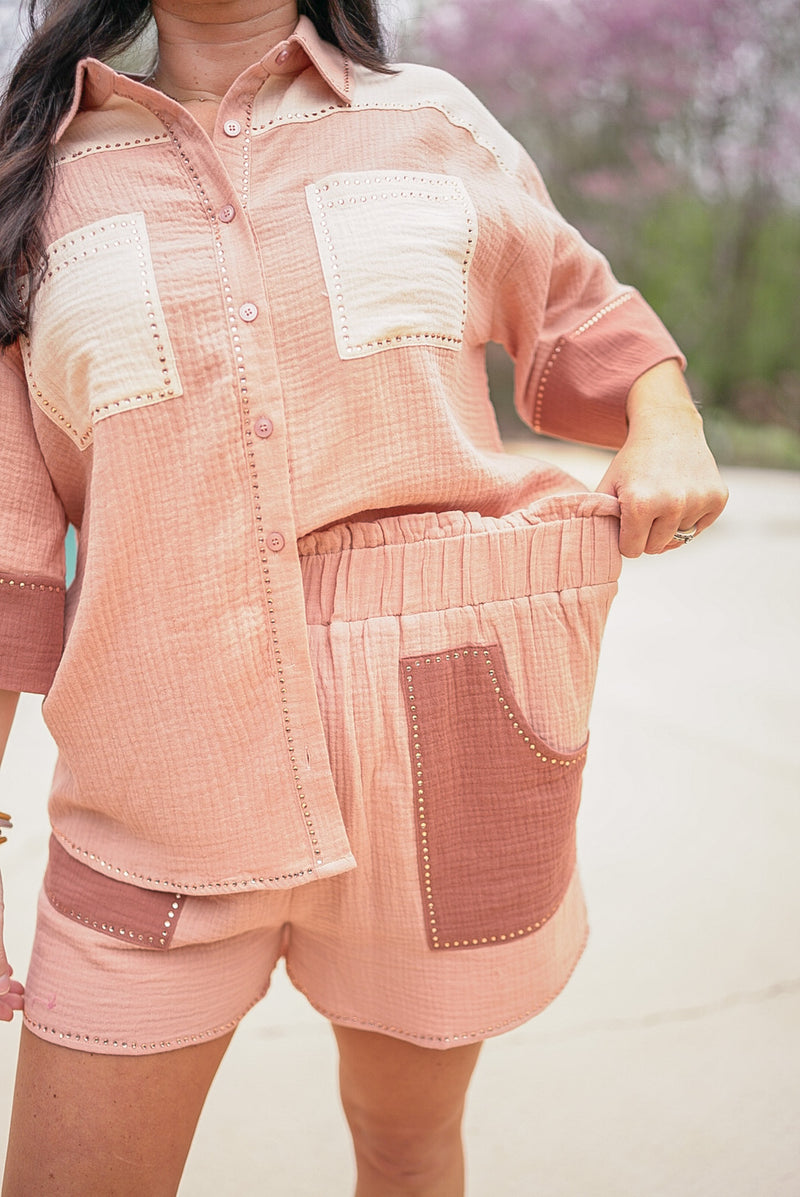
{"points": [[670, 1066]]}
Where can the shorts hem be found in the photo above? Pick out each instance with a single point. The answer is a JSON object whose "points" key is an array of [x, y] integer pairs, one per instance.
{"points": [[451, 1039], [125, 1045]]}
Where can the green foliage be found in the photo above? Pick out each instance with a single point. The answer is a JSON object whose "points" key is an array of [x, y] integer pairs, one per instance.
{"points": [[744, 443], [667, 131], [737, 328]]}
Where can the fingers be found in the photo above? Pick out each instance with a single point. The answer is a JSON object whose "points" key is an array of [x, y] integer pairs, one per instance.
{"points": [[11, 997], [11, 992], [649, 518], [649, 525], [645, 530]]}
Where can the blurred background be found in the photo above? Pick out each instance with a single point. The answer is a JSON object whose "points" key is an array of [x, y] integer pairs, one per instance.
{"points": [[668, 132]]}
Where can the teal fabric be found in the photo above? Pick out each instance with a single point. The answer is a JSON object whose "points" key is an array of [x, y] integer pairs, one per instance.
{"points": [[72, 551]]}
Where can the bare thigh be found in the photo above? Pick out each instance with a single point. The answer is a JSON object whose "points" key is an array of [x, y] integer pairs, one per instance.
{"points": [[117, 1125], [404, 1104]]}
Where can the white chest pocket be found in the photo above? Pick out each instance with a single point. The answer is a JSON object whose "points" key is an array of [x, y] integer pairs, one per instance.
{"points": [[98, 343], [395, 249]]}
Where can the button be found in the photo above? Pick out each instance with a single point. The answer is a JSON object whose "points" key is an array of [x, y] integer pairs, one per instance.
{"points": [[281, 58], [248, 312], [231, 128], [226, 213], [276, 541], [263, 427]]}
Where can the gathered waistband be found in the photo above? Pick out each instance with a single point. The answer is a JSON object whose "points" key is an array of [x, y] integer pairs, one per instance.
{"points": [[433, 561]]}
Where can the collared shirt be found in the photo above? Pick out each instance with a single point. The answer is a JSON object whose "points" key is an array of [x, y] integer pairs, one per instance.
{"points": [[240, 339]]}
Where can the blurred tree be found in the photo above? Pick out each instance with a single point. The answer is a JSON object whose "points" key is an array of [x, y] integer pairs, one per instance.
{"points": [[669, 131]]}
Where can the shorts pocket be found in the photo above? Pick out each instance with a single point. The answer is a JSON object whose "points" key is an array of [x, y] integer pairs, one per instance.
{"points": [[127, 913], [395, 249], [495, 805], [99, 344]]}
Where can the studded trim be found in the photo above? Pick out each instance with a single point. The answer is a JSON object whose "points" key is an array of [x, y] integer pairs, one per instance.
{"points": [[357, 190], [95, 239], [448, 819], [543, 755], [125, 933], [86, 1042], [609, 307], [246, 147], [31, 587], [82, 439], [553, 359], [109, 1044], [87, 243], [226, 885], [104, 147], [231, 309], [460, 122], [486, 1032]]}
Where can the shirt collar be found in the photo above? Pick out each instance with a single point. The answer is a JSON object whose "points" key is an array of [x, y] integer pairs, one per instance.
{"points": [[96, 82]]}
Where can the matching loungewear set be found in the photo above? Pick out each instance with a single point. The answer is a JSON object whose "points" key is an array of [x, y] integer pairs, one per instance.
{"points": [[321, 685]]}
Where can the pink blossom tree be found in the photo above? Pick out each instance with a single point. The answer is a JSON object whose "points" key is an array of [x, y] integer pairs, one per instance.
{"points": [[636, 107]]}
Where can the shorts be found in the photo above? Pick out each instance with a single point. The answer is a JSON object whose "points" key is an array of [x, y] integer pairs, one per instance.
{"points": [[455, 659]]}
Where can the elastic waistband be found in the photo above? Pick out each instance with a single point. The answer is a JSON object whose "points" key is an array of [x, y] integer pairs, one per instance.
{"points": [[433, 561]]}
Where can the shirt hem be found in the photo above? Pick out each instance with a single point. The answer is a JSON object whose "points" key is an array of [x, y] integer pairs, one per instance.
{"points": [[293, 876]]}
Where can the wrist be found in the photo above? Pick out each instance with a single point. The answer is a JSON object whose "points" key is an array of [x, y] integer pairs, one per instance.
{"points": [[661, 397]]}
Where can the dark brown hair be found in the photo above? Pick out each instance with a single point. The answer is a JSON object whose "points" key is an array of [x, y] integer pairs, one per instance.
{"points": [[40, 90]]}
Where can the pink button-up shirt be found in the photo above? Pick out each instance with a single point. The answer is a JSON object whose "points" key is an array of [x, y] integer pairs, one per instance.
{"points": [[240, 339]]}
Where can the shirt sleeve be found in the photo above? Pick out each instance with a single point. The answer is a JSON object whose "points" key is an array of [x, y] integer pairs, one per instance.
{"points": [[32, 560], [579, 339]]}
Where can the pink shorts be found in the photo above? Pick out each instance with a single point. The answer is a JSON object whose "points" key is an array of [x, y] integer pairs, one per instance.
{"points": [[455, 658]]}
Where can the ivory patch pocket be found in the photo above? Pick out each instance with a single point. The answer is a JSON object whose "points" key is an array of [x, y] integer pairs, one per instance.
{"points": [[495, 806], [98, 343], [395, 249]]}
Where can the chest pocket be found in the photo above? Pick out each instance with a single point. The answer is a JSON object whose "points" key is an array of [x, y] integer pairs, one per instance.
{"points": [[98, 343], [396, 249]]}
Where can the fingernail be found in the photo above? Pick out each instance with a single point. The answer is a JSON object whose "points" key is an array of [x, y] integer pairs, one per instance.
{"points": [[5, 983]]}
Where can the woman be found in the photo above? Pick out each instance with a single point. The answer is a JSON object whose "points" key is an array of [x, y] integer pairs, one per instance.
{"points": [[320, 687]]}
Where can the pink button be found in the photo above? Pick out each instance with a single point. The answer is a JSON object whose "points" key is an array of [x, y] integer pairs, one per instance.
{"points": [[276, 541], [281, 57], [226, 213], [263, 427], [231, 128], [248, 312]]}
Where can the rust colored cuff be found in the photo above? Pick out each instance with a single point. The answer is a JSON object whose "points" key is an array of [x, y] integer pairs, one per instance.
{"points": [[584, 385], [31, 631]]}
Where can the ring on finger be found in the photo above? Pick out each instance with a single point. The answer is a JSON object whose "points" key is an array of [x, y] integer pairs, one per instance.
{"points": [[684, 535]]}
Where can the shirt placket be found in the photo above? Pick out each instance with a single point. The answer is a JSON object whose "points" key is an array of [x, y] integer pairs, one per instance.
{"points": [[220, 174]]}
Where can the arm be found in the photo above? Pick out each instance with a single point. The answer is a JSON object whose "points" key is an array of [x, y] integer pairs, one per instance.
{"points": [[594, 364], [664, 475], [10, 991], [32, 588]]}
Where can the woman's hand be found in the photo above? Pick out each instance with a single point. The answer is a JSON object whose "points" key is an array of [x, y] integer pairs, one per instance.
{"points": [[10, 991], [664, 475]]}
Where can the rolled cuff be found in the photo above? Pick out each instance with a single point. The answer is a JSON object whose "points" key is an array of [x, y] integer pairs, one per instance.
{"points": [[31, 632], [583, 384]]}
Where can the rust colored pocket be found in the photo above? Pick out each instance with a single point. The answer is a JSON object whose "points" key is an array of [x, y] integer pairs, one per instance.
{"points": [[495, 805], [144, 917]]}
